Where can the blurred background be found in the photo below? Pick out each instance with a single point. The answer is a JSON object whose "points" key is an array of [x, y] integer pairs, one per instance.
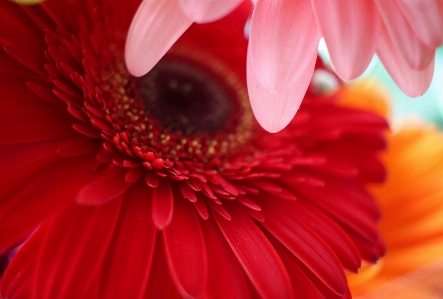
{"points": [[429, 106]]}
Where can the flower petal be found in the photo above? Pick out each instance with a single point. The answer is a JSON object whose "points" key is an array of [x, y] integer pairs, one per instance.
{"points": [[107, 186], [351, 47], [255, 253], [306, 245], [131, 249], [283, 39], [226, 276], [406, 43], [185, 250], [412, 82], [162, 204], [66, 259], [274, 111], [44, 192], [155, 28], [426, 19], [208, 10]]}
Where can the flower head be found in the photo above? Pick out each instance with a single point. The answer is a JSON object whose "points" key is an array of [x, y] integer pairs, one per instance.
{"points": [[284, 40], [163, 185]]}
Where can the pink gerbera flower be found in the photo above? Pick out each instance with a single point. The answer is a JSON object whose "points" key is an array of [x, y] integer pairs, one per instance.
{"points": [[163, 186], [284, 39]]}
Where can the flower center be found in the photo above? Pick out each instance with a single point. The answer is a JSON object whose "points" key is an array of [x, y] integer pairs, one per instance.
{"points": [[189, 107], [184, 98]]}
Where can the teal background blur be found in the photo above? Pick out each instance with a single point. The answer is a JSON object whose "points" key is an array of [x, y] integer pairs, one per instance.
{"points": [[429, 106]]}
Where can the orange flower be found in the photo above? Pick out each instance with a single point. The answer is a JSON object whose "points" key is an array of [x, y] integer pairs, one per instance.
{"points": [[411, 201], [412, 209]]}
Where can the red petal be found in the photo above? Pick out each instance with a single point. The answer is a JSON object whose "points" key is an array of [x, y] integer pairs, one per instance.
{"points": [[152, 179], [72, 248], [226, 276], [18, 163], [162, 204], [345, 209], [127, 266], [256, 255], [185, 250], [134, 174], [331, 232], [25, 117], [305, 245], [201, 208], [109, 185], [187, 192], [77, 147], [160, 283], [50, 189], [26, 58], [304, 281]]}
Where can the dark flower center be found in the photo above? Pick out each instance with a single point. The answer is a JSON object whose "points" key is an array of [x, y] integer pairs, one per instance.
{"points": [[189, 107], [184, 98]]}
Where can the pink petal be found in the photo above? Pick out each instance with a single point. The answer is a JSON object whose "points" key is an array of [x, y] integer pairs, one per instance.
{"points": [[412, 82], [274, 111], [208, 10], [162, 204], [426, 19], [155, 28], [351, 47], [185, 250], [255, 253], [406, 43], [283, 38]]}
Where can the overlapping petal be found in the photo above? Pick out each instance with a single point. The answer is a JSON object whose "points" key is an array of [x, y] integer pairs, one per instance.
{"points": [[284, 34], [406, 43], [352, 38], [283, 40], [207, 10], [411, 81], [155, 28], [426, 20], [172, 215]]}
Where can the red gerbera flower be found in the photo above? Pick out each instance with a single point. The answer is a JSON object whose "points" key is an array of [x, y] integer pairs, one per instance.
{"points": [[164, 186]]}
